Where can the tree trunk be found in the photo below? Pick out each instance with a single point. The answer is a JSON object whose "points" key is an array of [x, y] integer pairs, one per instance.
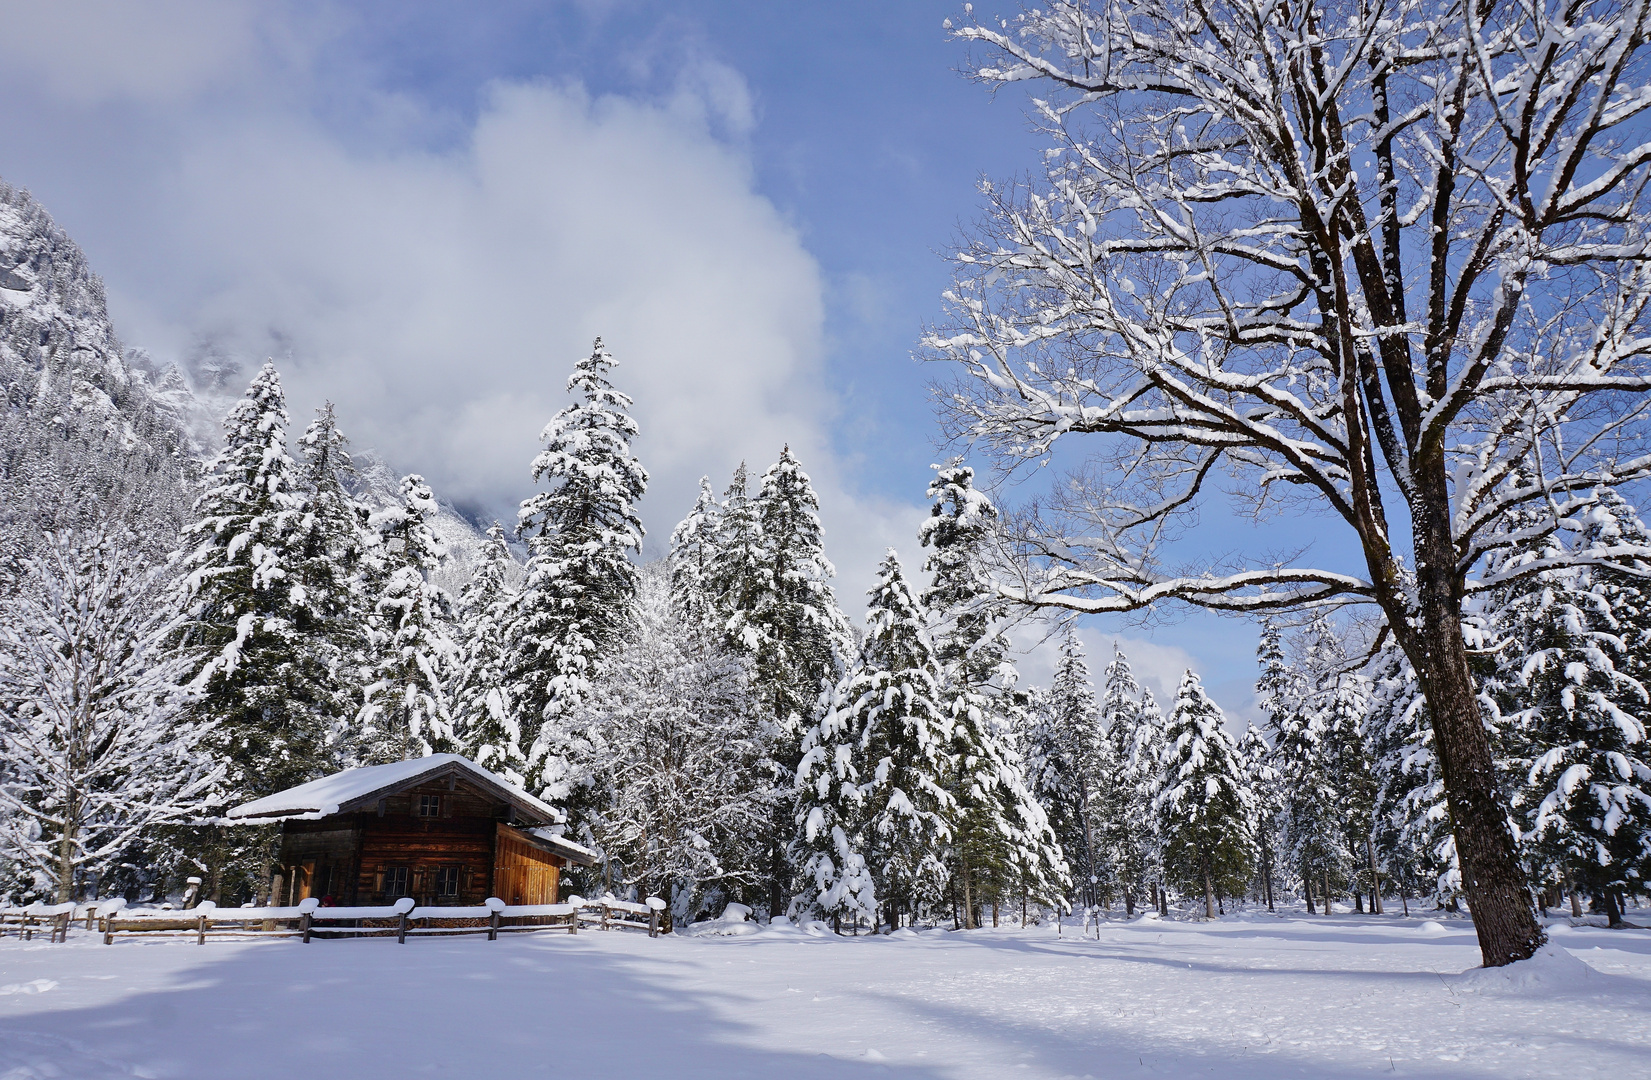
{"points": [[66, 857], [1501, 905], [1613, 907], [1209, 891], [1326, 890], [968, 899], [1163, 901], [1307, 890], [1576, 905], [1375, 878]]}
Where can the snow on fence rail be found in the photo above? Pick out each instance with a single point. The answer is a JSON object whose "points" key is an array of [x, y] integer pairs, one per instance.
{"points": [[50, 917], [403, 918]]}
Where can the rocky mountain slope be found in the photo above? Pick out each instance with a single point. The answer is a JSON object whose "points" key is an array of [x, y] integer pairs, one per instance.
{"points": [[91, 431]]}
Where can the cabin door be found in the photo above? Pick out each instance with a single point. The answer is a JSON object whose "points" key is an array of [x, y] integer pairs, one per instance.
{"points": [[303, 881]]}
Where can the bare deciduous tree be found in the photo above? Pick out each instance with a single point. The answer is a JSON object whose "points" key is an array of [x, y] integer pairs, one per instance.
{"points": [[1385, 259]]}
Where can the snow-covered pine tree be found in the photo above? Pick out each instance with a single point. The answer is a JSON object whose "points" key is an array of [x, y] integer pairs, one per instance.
{"points": [[575, 602], [264, 684], [483, 713], [1204, 805], [873, 808], [798, 638], [1003, 843], [1144, 755], [1074, 762], [1298, 721], [1411, 821], [1124, 803], [99, 744], [694, 545], [1269, 800], [1615, 529], [414, 661], [675, 716], [734, 572], [331, 544], [1341, 697], [1571, 729]]}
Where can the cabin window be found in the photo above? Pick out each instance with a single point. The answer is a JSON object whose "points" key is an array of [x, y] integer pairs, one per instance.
{"points": [[395, 882], [447, 881], [429, 806]]}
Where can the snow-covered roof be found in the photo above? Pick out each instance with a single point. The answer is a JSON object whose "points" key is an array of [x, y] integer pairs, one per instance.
{"points": [[360, 789], [563, 846]]}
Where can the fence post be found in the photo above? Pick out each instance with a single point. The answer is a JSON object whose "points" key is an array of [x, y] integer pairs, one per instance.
{"points": [[607, 913], [401, 928], [653, 922], [493, 926], [304, 925], [200, 930]]}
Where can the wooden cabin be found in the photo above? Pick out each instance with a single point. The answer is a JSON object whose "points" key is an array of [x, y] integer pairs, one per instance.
{"points": [[442, 830]]}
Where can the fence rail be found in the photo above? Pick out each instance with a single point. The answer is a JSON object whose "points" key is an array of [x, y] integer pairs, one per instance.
{"points": [[308, 920]]}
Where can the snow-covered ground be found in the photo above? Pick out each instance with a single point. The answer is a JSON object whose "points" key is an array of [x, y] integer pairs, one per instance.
{"points": [[1248, 996]]}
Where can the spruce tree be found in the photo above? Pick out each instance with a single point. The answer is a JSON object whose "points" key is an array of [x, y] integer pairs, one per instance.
{"points": [[1572, 727], [694, 548], [575, 602], [1077, 756], [1124, 801], [1300, 718], [873, 808], [1340, 697], [331, 545], [268, 691], [1003, 841], [1411, 819], [414, 661], [1145, 751], [483, 713], [1204, 805], [735, 566], [1263, 779], [792, 629]]}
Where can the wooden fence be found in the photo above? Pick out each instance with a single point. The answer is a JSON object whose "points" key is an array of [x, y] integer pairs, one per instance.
{"points": [[401, 920]]}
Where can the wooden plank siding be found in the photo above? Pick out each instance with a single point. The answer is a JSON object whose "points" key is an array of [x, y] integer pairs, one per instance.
{"points": [[523, 871]]}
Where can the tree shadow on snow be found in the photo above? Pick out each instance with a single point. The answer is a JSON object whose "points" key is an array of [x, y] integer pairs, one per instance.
{"points": [[524, 1006]]}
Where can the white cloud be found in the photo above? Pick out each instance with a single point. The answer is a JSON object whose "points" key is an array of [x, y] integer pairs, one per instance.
{"points": [[92, 51], [439, 296]]}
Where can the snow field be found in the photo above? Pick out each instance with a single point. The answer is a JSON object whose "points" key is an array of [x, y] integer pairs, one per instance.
{"points": [[1248, 996]]}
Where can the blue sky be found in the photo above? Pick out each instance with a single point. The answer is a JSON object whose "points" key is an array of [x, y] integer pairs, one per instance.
{"points": [[425, 212]]}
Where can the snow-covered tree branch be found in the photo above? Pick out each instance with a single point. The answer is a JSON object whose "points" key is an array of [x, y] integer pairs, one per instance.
{"points": [[1334, 252]]}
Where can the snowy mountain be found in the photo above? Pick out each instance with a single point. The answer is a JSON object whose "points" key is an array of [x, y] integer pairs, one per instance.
{"points": [[90, 427], [378, 485], [84, 435]]}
